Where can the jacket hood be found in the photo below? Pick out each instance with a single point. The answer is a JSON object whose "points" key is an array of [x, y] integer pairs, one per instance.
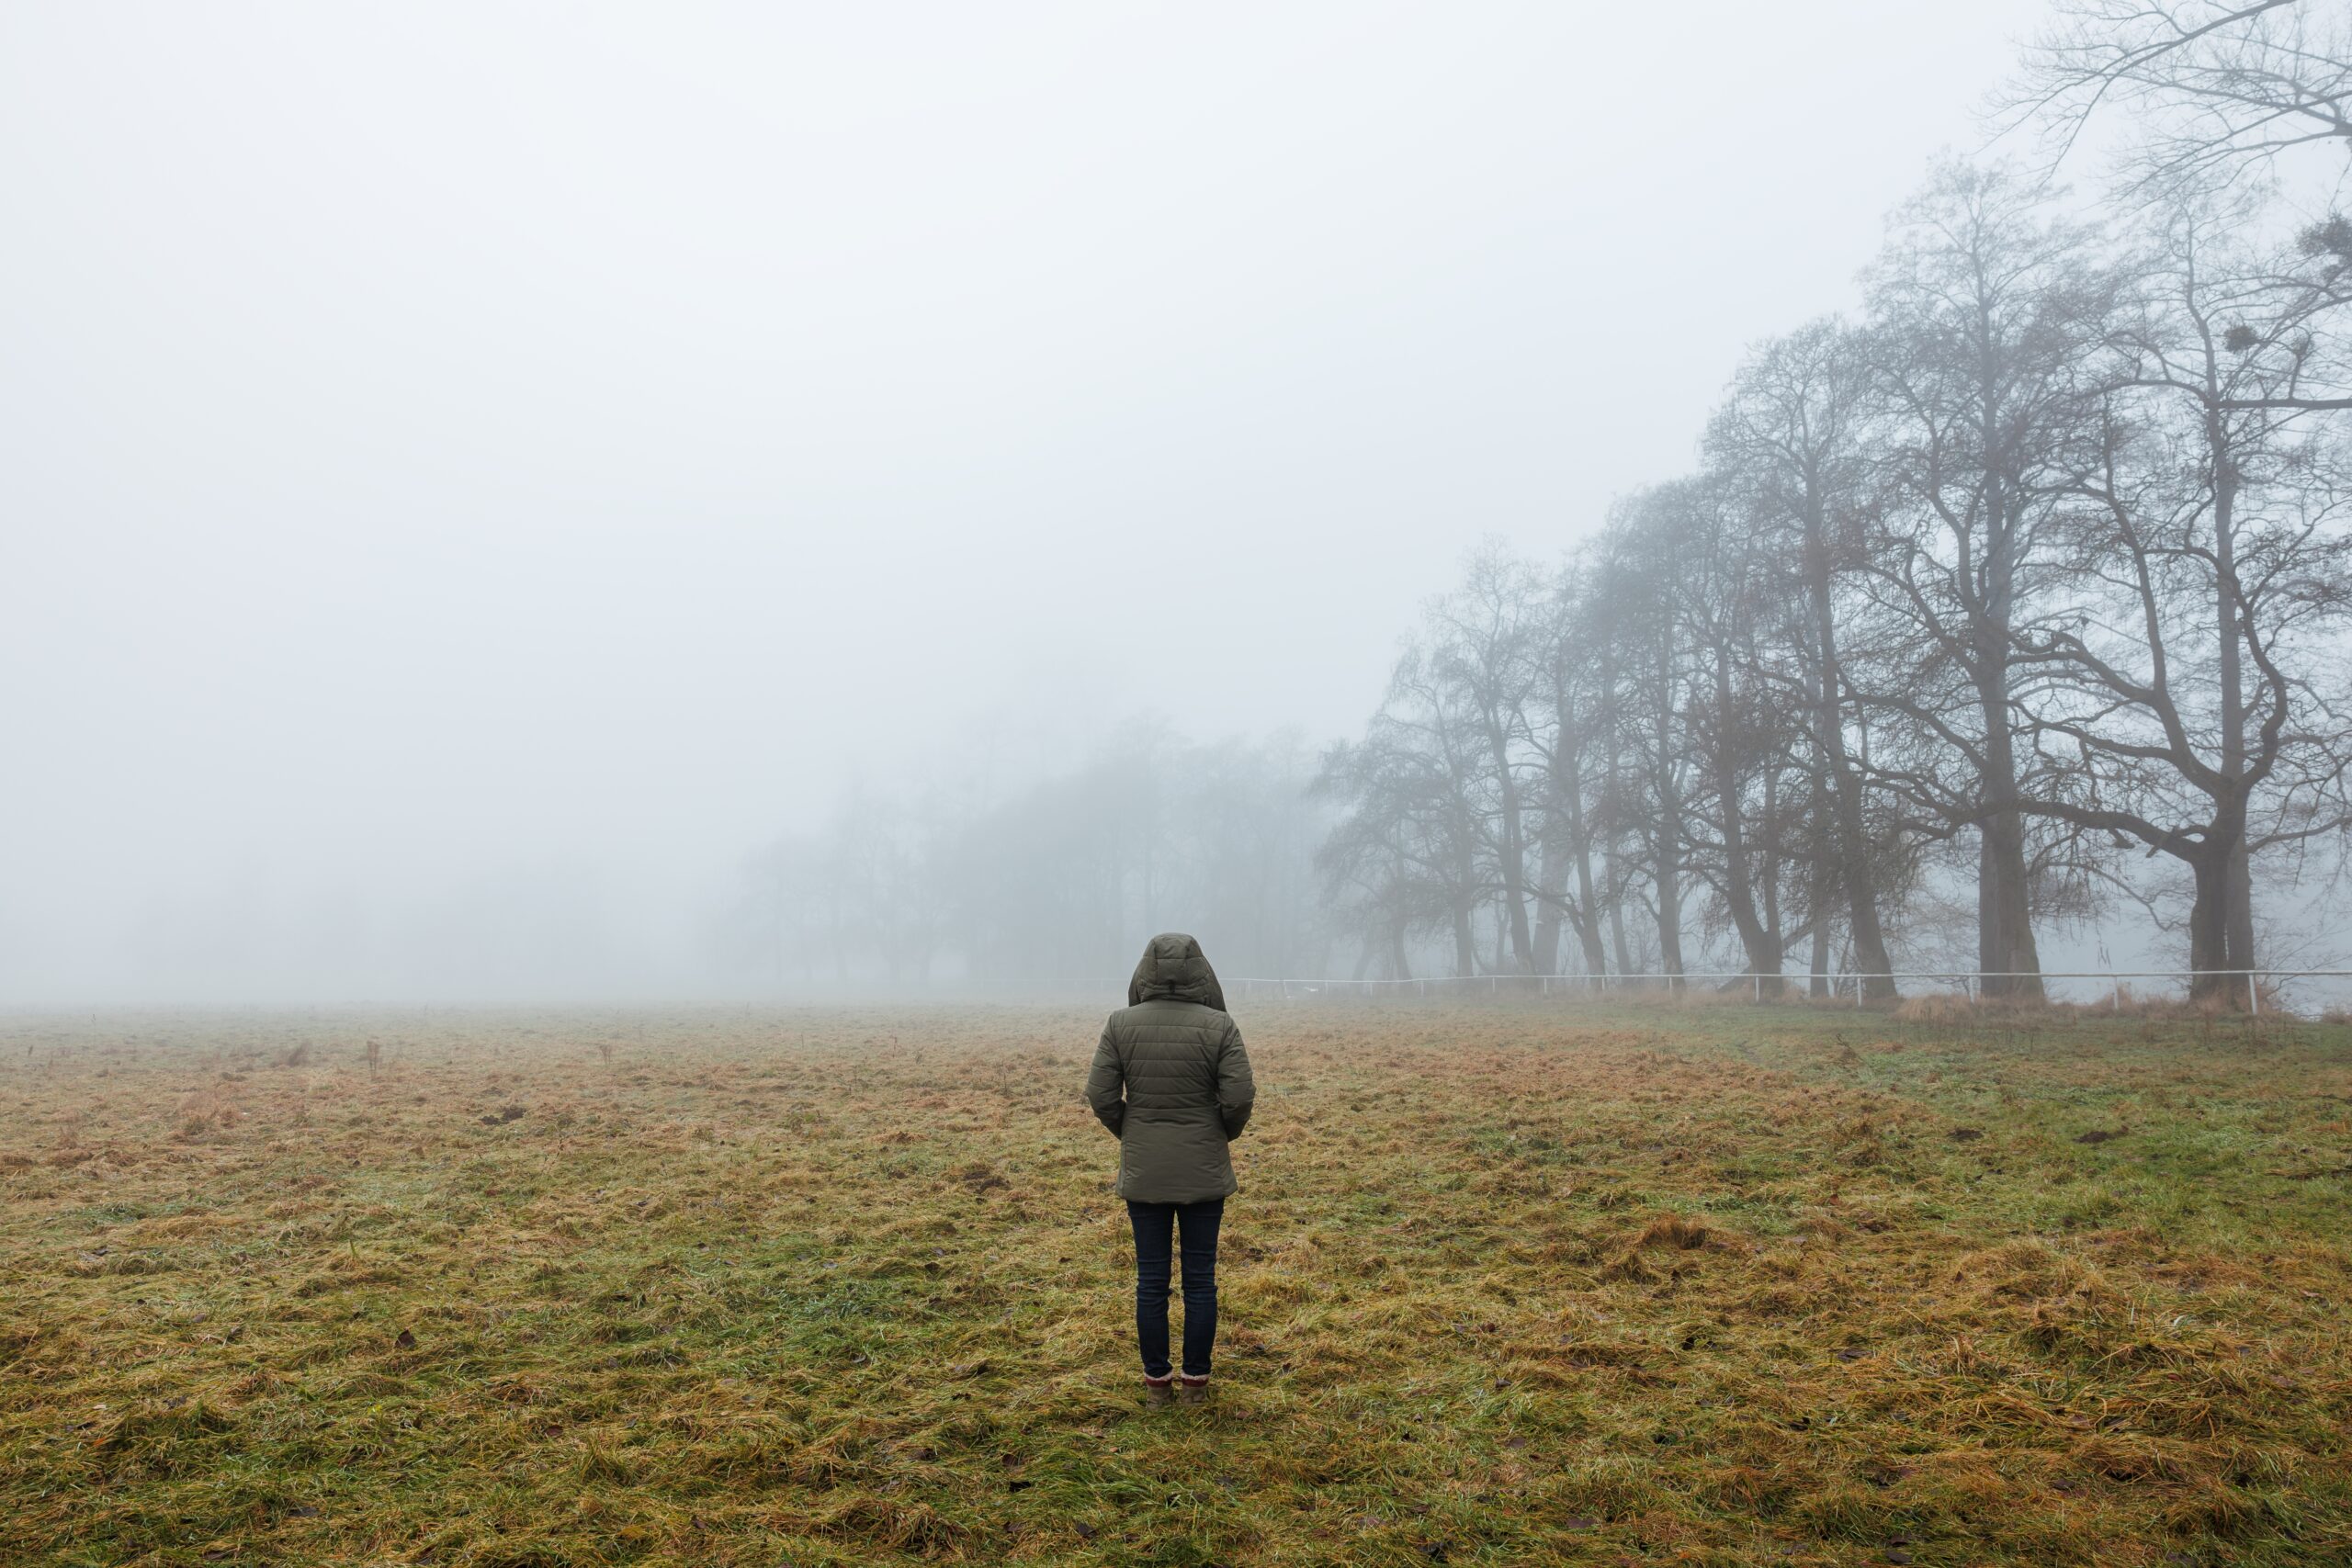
{"points": [[1174, 969]]}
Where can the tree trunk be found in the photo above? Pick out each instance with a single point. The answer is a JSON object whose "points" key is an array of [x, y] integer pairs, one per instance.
{"points": [[1758, 940], [2238, 928], [1522, 944], [1584, 916], [1513, 851], [2006, 950], [1771, 865], [1665, 851], [2209, 921], [1852, 844], [1610, 882], [1551, 876], [1617, 918], [1547, 934], [2237, 890], [1861, 899], [1824, 885], [1465, 942], [1669, 908], [2004, 945]]}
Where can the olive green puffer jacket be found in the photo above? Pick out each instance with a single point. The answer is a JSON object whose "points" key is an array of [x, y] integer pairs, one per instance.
{"points": [[1171, 1079]]}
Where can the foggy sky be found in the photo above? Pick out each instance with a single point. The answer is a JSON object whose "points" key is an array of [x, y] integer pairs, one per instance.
{"points": [[448, 451]]}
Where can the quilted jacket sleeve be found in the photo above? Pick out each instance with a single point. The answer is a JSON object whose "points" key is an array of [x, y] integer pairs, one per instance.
{"points": [[1236, 1089], [1106, 1085]]}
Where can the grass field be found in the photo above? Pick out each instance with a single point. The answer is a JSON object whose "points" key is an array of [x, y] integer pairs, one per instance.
{"points": [[1503, 1284]]}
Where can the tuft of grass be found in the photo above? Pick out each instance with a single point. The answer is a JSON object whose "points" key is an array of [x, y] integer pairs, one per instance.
{"points": [[1514, 1283]]}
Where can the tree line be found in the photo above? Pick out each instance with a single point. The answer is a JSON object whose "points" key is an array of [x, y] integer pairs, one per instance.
{"points": [[2034, 570], [2021, 591], [1062, 878]]}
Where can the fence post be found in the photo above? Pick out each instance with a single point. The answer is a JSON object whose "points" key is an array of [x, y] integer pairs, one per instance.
{"points": [[2253, 992], [1760, 987]]}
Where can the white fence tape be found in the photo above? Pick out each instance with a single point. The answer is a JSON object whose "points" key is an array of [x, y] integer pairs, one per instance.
{"points": [[1968, 981]]}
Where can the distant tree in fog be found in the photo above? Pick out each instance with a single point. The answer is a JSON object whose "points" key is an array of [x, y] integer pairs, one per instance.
{"points": [[1572, 727], [1792, 440], [1062, 878], [1483, 667], [1636, 608], [1418, 784], [1738, 730]]}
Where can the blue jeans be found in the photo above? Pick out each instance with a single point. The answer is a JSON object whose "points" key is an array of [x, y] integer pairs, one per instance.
{"points": [[1197, 1225]]}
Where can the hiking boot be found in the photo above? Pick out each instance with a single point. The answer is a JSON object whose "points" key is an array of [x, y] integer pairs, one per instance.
{"points": [[1193, 1390], [1158, 1393]]}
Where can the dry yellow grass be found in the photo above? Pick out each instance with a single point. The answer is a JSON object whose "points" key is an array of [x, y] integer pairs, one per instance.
{"points": [[1505, 1283]]}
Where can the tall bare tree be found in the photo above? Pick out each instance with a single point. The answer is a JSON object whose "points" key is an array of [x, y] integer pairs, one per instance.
{"points": [[1570, 733], [1741, 731], [2198, 679], [1486, 652], [1639, 575], [1793, 437], [1987, 316]]}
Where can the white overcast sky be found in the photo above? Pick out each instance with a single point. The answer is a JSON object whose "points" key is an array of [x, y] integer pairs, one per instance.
{"points": [[443, 443]]}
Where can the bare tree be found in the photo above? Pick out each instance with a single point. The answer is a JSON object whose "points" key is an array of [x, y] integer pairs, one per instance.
{"points": [[1062, 878], [2198, 679], [1380, 874], [1791, 436], [1741, 734], [2213, 86], [1570, 729], [1417, 786], [1636, 604], [1486, 652], [1987, 316]]}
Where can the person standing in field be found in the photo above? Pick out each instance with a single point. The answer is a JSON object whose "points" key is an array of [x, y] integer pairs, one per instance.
{"points": [[1171, 1082]]}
